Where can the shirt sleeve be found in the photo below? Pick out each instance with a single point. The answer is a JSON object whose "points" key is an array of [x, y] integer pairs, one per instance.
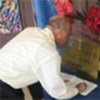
{"points": [[48, 73]]}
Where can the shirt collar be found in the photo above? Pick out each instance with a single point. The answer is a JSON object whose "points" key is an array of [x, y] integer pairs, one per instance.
{"points": [[49, 33]]}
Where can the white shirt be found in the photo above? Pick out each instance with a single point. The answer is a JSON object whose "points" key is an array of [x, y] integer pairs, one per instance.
{"points": [[31, 57]]}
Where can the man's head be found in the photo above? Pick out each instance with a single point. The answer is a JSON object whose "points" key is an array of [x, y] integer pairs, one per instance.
{"points": [[61, 27]]}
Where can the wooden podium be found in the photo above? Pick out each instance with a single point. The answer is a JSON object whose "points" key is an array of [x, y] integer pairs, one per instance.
{"points": [[83, 56]]}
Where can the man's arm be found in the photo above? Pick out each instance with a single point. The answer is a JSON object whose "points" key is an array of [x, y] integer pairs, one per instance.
{"points": [[48, 73]]}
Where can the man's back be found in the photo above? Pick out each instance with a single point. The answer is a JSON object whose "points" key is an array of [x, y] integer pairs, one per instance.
{"points": [[17, 57]]}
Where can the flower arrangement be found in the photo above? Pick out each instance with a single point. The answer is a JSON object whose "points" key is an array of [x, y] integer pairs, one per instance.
{"points": [[64, 7], [90, 19]]}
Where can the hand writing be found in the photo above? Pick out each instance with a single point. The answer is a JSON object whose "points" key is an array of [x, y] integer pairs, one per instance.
{"points": [[81, 87]]}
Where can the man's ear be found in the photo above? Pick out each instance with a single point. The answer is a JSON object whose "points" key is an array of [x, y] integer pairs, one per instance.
{"points": [[58, 32]]}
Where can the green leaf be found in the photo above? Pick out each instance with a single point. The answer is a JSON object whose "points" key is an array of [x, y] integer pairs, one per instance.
{"points": [[98, 1], [80, 16], [84, 13], [87, 4]]}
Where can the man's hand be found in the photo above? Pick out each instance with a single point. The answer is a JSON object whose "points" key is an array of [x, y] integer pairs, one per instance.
{"points": [[81, 87]]}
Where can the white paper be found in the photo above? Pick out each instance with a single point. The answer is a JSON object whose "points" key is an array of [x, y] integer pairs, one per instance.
{"points": [[73, 81]]}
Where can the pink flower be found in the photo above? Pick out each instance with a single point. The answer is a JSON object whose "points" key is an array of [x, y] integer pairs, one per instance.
{"points": [[63, 7], [93, 19]]}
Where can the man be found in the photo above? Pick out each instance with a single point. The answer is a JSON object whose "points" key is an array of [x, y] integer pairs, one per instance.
{"points": [[32, 56]]}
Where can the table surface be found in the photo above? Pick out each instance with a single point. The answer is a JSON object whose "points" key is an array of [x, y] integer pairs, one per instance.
{"points": [[94, 95]]}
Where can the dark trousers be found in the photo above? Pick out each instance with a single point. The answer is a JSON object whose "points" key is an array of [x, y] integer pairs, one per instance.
{"points": [[36, 91], [9, 93]]}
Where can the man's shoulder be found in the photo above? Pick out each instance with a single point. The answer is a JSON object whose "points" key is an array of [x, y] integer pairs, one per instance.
{"points": [[31, 28]]}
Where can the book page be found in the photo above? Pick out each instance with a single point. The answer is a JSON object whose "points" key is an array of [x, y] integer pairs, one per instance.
{"points": [[72, 81]]}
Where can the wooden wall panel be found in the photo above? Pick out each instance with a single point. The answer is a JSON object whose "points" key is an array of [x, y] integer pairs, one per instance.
{"points": [[26, 12]]}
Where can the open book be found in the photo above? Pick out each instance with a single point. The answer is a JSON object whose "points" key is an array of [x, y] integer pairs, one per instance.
{"points": [[72, 81]]}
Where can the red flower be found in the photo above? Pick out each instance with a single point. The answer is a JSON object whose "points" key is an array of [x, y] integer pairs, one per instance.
{"points": [[63, 7], [93, 19]]}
